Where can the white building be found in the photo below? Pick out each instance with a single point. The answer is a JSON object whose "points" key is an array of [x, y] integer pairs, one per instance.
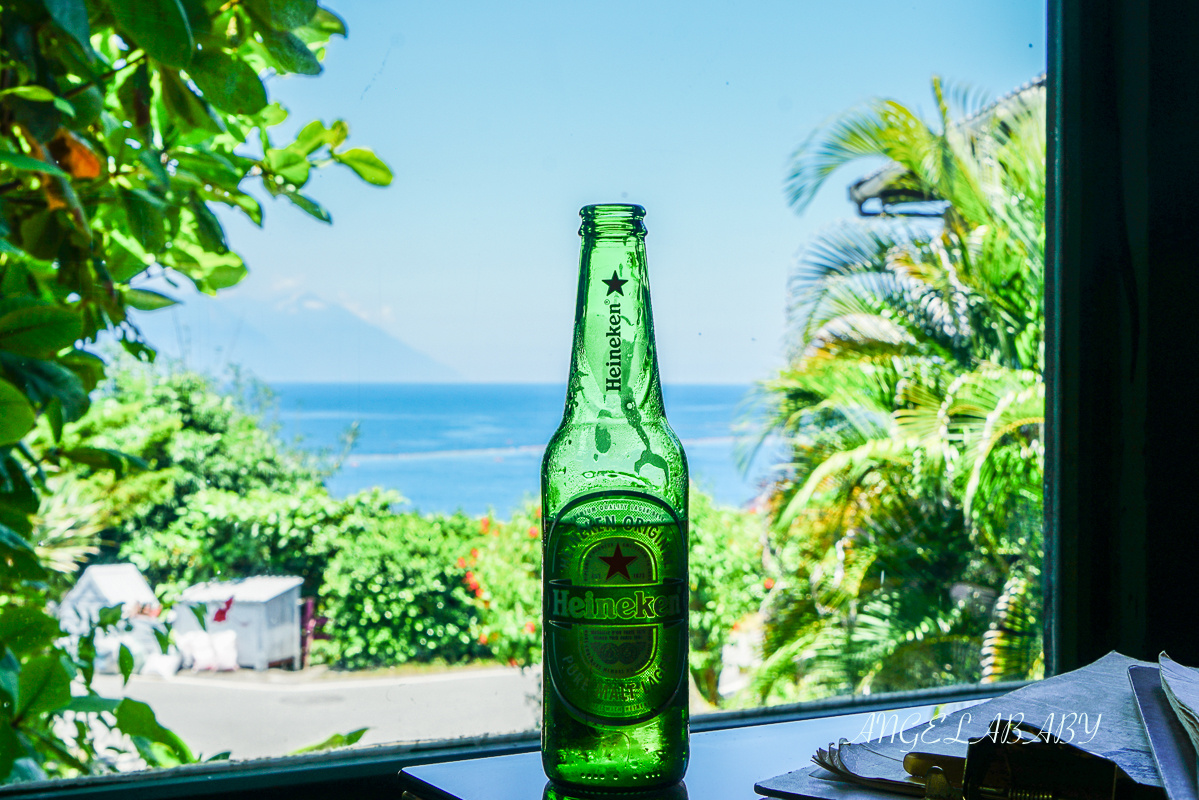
{"points": [[264, 612], [102, 586]]}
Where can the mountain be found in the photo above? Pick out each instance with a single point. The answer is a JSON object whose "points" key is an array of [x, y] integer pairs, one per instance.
{"points": [[299, 338]]}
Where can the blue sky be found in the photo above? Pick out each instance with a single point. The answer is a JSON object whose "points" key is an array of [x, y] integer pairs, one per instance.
{"points": [[501, 119]]}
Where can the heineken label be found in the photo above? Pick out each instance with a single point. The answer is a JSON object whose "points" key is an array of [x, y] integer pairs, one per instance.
{"points": [[615, 607]]}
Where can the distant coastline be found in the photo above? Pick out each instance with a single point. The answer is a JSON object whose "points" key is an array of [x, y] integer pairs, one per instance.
{"points": [[477, 447]]}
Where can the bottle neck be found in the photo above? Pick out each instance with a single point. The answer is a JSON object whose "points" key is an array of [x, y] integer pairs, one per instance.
{"points": [[614, 364]]}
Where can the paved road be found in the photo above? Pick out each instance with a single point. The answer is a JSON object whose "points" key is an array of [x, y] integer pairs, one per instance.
{"points": [[275, 713]]}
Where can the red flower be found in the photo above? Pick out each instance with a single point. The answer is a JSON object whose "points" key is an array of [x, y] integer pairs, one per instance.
{"points": [[532, 533], [461, 562], [478, 591], [484, 524], [482, 638], [768, 583], [530, 627], [474, 552]]}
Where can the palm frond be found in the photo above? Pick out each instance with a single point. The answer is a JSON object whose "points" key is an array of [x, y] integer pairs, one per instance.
{"points": [[855, 462], [1012, 646]]}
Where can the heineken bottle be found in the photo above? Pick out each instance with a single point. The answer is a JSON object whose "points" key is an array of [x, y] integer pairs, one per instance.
{"points": [[614, 522]]}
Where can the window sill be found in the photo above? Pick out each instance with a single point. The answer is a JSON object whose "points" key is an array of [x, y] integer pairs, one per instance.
{"points": [[720, 742]]}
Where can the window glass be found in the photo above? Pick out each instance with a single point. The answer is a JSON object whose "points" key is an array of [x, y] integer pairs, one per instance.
{"points": [[314, 519]]}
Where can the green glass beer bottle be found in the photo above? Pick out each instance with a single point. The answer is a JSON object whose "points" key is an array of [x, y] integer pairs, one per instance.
{"points": [[614, 523]]}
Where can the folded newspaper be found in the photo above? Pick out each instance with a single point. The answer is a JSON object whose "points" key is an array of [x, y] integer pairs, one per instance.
{"points": [[1181, 685], [1092, 708]]}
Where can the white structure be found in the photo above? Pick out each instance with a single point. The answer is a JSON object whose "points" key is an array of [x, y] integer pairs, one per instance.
{"points": [[101, 586], [264, 612]]}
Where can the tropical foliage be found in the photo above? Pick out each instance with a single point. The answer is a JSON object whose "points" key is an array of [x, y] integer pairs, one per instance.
{"points": [[123, 124], [222, 498], [907, 526]]}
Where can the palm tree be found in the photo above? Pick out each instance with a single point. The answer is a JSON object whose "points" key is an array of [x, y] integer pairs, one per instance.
{"points": [[908, 520]]}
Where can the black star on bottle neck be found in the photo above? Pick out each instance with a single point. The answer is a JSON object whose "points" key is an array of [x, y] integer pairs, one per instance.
{"points": [[615, 284], [618, 564]]}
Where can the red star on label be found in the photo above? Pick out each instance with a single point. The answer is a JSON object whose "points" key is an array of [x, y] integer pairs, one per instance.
{"points": [[618, 564]]}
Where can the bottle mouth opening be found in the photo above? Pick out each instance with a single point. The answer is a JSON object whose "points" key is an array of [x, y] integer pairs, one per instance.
{"points": [[612, 219]]}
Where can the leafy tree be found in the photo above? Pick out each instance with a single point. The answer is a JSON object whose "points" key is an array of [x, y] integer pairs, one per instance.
{"points": [[221, 496], [122, 123], [908, 528]]}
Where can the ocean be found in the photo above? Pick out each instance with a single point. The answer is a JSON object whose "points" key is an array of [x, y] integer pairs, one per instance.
{"points": [[477, 447]]}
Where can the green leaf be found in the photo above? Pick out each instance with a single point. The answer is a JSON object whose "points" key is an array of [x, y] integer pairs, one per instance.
{"points": [[16, 415], [46, 381], [184, 106], [147, 300], [315, 135], [309, 205], [368, 165], [71, 17], [45, 686], [135, 94], [222, 276], [143, 212], [12, 541], [209, 231], [38, 94], [88, 366], [15, 488], [290, 53], [10, 746], [135, 718], [125, 662], [150, 159], [108, 616], [208, 167], [39, 331], [200, 612], [284, 15], [336, 740], [56, 418], [292, 166], [272, 115], [227, 82], [198, 18], [328, 23], [27, 629], [93, 704], [10, 680], [24, 163], [237, 199], [105, 458], [126, 258], [157, 26]]}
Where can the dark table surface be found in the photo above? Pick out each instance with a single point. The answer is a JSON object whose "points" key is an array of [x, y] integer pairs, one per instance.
{"points": [[724, 765]]}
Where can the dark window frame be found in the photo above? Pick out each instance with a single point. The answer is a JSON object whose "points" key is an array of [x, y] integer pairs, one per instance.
{"points": [[1120, 374]]}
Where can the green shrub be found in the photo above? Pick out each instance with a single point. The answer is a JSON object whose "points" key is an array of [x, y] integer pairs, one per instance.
{"points": [[222, 535], [727, 583], [505, 579], [396, 593]]}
